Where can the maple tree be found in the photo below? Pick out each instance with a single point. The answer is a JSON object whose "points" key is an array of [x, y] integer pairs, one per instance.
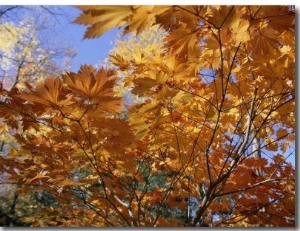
{"points": [[210, 135]]}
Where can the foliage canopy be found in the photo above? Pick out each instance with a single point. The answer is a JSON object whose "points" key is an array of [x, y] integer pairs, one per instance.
{"points": [[207, 145]]}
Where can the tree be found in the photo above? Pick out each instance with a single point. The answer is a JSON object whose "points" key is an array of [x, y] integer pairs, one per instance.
{"points": [[209, 140], [26, 55]]}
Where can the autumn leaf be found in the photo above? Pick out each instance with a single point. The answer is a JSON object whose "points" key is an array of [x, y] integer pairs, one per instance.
{"points": [[142, 85], [38, 177], [102, 18], [90, 83], [143, 17], [183, 41], [240, 33], [94, 85], [48, 93], [119, 61]]}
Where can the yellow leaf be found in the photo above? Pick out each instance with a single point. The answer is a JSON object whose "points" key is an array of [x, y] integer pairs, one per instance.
{"points": [[281, 133], [270, 144], [102, 18], [96, 86], [69, 182], [48, 93], [38, 177], [13, 152], [119, 61], [143, 85], [144, 16], [240, 31]]}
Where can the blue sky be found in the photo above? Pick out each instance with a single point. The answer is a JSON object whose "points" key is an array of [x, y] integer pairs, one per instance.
{"points": [[89, 51]]}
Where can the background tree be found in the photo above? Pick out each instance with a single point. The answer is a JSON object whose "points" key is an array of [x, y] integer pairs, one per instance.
{"points": [[27, 54], [219, 91], [145, 44]]}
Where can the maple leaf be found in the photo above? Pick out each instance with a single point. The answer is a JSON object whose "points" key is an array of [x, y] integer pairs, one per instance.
{"points": [[94, 85], [69, 182], [102, 18], [38, 177], [143, 85], [143, 17], [263, 42], [119, 61], [48, 93], [183, 41], [240, 32], [90, 83]]}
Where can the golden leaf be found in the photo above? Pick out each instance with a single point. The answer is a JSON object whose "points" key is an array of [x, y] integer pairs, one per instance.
{"points": [[102, 18], [48, 93]]}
